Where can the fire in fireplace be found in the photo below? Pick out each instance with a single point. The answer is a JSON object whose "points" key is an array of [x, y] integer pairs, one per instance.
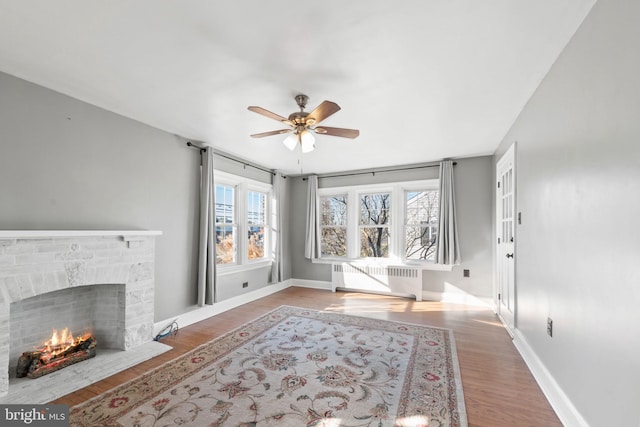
{"points": [[60, 351]]}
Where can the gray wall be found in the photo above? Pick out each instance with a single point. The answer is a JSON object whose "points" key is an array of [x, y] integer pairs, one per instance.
{"points": [[473, 186], [578, 181], [65, 164], [473, 203]]}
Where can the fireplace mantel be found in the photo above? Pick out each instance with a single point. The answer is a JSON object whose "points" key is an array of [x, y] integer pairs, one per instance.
{"points": [[38, 234]]}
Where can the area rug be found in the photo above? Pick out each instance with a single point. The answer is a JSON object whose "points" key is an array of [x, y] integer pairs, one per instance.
{"points": [[297, 367]]}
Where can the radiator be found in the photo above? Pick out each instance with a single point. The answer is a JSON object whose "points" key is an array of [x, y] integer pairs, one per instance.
{"points": [[400, 280]]}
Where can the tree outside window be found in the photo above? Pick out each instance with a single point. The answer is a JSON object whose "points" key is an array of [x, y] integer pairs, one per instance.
{"points": [[421, 224], [375, 217], [333, 225], [394, 222]]}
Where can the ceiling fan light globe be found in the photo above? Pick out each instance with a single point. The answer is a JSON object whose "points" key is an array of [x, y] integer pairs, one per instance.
{"points": [[291, 141], [307, 141]]}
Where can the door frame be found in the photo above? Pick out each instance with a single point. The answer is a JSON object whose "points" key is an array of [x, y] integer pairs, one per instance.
{"points": [[509, 323]]}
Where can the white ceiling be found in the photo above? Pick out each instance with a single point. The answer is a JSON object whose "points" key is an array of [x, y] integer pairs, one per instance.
{"points": [[421, 79]]}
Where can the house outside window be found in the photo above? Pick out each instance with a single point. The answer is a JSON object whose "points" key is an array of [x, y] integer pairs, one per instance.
{"points": [[226, 224], [421, 224], [392, 223], [242, 209]]}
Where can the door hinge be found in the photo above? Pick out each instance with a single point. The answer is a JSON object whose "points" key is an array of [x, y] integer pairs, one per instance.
{"points": [[499, 297], [498, 184], [498, 240]]}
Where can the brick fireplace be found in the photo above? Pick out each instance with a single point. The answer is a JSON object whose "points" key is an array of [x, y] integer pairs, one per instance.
{"points": [[104, 279]]}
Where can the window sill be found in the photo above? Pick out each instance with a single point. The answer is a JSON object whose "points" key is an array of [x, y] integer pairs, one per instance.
{"points": [[233, 269], [385, 263]]}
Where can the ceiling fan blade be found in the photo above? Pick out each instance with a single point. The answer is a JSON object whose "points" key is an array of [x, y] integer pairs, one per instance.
{"points": [[273, 132], [341, 132], [267, 113], [322, 111]]}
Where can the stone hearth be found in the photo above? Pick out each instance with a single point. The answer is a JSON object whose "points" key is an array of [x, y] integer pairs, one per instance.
{"points": [[39, 263]]}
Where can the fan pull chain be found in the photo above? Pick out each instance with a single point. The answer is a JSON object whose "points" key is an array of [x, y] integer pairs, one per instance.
{"points": [[300, 157]]}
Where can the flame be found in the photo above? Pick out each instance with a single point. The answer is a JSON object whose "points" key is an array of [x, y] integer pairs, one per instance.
{"points": [[60, 342], [66, 338]]}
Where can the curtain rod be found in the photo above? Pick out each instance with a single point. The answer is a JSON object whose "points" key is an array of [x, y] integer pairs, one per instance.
{"points": [[373, 173], [245, 164]]}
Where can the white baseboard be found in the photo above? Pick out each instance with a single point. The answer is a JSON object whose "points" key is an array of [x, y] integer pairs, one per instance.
{"points": [[313, 284], [454, 298], [207, 311], [450, 297], [560, 402]]}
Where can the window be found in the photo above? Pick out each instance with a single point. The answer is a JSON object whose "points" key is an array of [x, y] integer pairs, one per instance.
{"points": [[333, 225], [242, 209], [256, 224], [375, 217], [421, 224], [397, 222], [226, 224]]}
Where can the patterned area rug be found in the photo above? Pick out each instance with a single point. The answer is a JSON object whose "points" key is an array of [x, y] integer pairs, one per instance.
{"points": [[297, 367]]}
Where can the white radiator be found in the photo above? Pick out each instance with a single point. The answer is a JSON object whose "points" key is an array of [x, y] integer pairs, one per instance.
{"points": [[399, 280]]}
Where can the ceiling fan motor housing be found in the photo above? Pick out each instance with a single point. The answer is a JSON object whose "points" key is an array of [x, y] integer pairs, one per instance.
{"points": [[302, 99], [300, 118]]}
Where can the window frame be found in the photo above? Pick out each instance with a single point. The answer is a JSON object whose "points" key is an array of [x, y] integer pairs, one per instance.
{"points": [[397, 223], [242, 186]]}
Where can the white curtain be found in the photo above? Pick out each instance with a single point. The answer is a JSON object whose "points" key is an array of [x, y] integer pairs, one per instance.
{"points": [[207, 253], [279, 201], [447, 248], [312, 239]]}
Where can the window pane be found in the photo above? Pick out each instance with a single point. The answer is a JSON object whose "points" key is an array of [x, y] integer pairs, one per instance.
{"points": [[333, 210], [421, 224], [225, 245], [334, 241], [256, 220], [420, 242], [256, 207], [224, 204], [375, 209], [374, 242], [256, 242], [422, 207]]}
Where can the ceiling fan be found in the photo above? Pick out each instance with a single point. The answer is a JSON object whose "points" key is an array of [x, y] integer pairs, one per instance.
{"points": [[301, 124]]}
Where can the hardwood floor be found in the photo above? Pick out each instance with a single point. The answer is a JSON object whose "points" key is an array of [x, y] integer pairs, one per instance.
{"points": [[498, 388]]}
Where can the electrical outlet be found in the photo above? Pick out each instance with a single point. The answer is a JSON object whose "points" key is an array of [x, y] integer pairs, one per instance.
{"points": [[245, 284], [549, 327], [465, 273]]}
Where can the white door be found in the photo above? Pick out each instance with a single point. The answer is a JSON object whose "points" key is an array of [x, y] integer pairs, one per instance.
{"points": [[505, 217]]}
